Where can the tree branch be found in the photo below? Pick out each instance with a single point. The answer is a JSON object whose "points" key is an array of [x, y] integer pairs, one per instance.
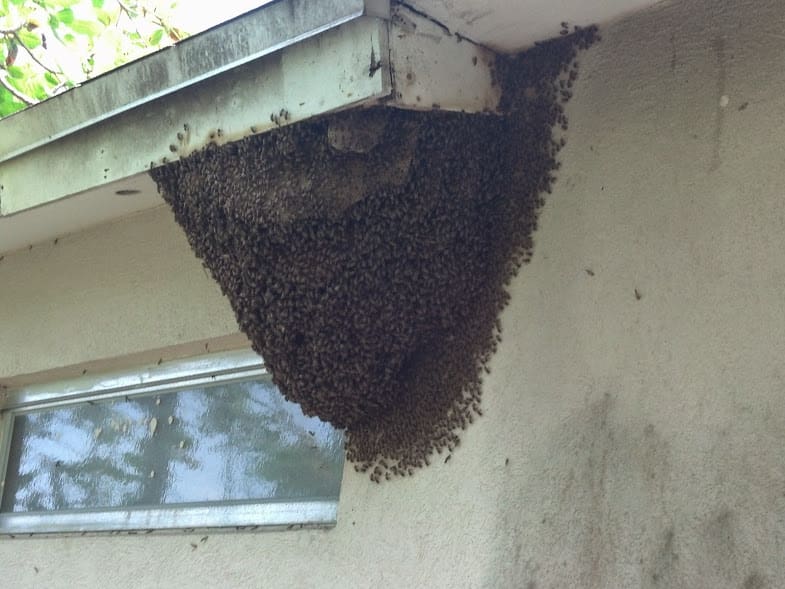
{"points": [[11, 32], [33, 57], [127, 11], [56, 90], [131, 19], [17, 94]]}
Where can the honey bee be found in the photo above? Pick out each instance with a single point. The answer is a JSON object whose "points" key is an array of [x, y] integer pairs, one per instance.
{"points": [[350, 271]]}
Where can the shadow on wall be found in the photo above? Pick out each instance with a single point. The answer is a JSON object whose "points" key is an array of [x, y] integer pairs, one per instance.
{"points": [[611, 514]]}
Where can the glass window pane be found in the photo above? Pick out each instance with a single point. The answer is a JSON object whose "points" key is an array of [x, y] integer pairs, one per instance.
{"points": [[234, 442]]}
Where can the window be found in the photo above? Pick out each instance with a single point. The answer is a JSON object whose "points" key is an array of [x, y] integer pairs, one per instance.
{"points": [[207, 442]]}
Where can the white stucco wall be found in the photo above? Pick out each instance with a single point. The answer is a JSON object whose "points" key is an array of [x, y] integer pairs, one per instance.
{"points": [[645, 437]]}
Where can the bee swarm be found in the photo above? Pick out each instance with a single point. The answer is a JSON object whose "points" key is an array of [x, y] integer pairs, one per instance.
{"points": [[366, 253]]}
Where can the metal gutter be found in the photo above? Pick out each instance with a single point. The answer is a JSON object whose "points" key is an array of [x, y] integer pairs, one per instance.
{"points": [[242, 40], [320, 74], [82, 158]]}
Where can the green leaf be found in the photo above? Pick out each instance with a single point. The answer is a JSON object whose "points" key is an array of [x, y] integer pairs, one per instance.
{"points": [[9, 106], [66, 15], [98, 3], [85, 27], [156, 37], [88, 65], [69, 38], [53, 21], [30, 39], [39, 92], [18, 84], [17, 2], [51, 78], [15, 72], [103, 17]]}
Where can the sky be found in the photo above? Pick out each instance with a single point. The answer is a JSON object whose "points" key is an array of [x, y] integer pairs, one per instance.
{"points": [[195, 16]]}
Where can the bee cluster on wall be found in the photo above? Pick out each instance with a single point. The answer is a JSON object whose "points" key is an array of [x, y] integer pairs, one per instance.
{"points": [[366, 254]]}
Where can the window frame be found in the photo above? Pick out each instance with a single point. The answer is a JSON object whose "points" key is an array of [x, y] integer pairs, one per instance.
{"points": [[166, 377]]}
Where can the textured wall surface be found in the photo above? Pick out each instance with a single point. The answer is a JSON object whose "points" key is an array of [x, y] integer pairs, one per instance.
{"points": [[118, 289], [628, 440]]}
